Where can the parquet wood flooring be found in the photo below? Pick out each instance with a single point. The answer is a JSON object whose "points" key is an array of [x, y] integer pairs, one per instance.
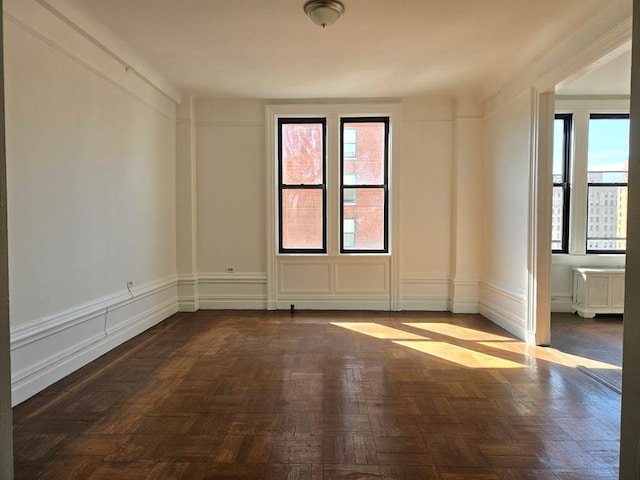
{"points": [[321, 395], [598, 339]]}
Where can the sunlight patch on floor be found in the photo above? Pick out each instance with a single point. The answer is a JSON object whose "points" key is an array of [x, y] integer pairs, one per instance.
{"points": [[379, 331], [460, 333], [460, 355]]}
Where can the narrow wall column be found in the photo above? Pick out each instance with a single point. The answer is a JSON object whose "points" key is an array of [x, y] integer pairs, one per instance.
{"points": [[186, 207], [466, 225], [6, 422]]}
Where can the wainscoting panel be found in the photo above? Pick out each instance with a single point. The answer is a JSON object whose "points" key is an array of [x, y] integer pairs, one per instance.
{"points": [[305, 277], [362, 278], [48, 349], [333, 283]]}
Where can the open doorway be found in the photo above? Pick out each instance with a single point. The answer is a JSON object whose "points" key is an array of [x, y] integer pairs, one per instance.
{"points": [[589, 211]]}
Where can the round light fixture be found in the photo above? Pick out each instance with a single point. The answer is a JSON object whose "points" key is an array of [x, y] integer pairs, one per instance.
{"points": [[324, 12]]}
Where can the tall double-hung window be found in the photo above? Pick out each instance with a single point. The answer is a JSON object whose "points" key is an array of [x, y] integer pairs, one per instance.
{"points": [[562, 128], [607, 176], [306, 186], [363, 185], [302, 192]]}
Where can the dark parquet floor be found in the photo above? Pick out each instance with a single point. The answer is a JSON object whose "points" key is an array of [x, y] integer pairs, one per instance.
{"points": [[598, 339], [321, 395]]}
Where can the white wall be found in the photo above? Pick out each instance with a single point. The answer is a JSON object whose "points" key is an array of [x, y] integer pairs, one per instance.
{"points": [[505, 229], [426, 182], [231, 194], [91, 199], [232, 215]]}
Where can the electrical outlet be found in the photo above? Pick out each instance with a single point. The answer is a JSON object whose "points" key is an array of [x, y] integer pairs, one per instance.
{"points": [[231, 269]]}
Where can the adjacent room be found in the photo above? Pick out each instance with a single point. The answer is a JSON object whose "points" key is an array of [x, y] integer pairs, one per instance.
{"points": [[589, 216], [295, 239]]}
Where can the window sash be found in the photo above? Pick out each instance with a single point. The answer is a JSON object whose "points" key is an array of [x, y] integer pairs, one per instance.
{"points": [[346, 197], [321, 186], [593, 219], [567, 119]]}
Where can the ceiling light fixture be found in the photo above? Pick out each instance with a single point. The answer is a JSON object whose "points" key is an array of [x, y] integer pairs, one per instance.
{"points": [[324, 12]]}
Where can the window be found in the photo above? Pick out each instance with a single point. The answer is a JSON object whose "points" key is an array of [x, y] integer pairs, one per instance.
{"points": [[367, 179], [309, 176], [607, 175], [302, 193], [562, 127]]}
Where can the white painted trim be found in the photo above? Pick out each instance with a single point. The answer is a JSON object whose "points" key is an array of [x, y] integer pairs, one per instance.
{"points": [[561, 302], [232, 302], [565, 104], [539, 218], [239, 278], [461, 303], [334, 302], [92, 30], [57, 364], [603, 37], [188, 298], [505, 319], [36, 330], [501, 314], [60, 35], [332, 111], [430, 279], [426, 303], [518, 296]]}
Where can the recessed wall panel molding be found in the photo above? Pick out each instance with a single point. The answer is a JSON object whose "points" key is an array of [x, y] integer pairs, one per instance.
{"points": [[305, 277], [362, 277]]}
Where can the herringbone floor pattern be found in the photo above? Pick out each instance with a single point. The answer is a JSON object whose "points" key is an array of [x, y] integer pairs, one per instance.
{"points": [[321, 395]]}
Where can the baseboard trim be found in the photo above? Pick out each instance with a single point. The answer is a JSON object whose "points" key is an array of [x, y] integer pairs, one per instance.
{"points": [[422, 303], [90, 330], [561, 303], [502, 310], [232, 302]]}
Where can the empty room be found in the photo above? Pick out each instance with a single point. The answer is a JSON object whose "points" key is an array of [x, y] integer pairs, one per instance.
{"points": [[310, 239]]}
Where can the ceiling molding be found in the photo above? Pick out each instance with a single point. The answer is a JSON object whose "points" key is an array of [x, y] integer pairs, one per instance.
{"points": [[74, 16], [606, 36]]}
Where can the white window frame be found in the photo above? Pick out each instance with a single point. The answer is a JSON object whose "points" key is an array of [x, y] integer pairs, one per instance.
{"points": [[333, 260], [581, 110]]}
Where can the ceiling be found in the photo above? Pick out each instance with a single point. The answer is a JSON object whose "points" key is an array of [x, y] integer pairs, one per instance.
{"points": [[612, 78], [380, 48]]}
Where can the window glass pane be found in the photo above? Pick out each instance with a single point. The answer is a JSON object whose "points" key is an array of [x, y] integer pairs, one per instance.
{"points": [[302, 154], [369, 160], [302, 215], [608, 156], [557, 213], [349, 142], [607, 218], [558, 150], [368, 220], [349, 232], [350, 196]]}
